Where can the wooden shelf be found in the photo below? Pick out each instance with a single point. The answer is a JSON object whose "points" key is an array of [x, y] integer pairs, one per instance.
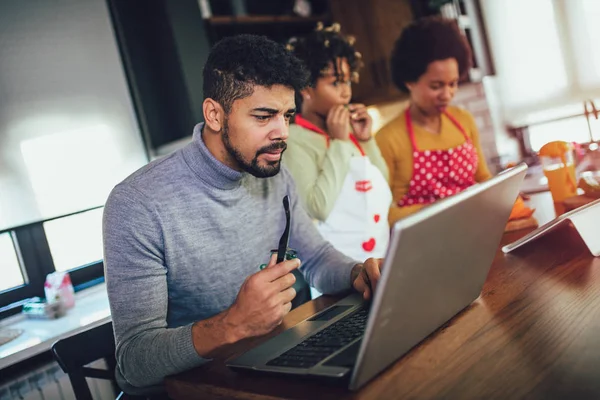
{"points": [[264, 19]]}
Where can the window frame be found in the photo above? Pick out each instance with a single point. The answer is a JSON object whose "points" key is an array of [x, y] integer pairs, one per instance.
{"points": [[36, 262], [521, 133]]}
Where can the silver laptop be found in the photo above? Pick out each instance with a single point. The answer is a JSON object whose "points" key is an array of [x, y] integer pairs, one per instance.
{"points": [[436, 265]]}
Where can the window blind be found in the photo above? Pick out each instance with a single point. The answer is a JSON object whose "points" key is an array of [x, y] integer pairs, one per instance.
{"points": [[68, 131], [546, 55]]}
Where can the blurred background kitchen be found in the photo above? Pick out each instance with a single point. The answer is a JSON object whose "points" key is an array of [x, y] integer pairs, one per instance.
{"points": [[91, 90]]}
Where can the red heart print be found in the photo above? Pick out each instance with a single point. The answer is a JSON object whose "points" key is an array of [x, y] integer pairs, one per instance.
{"points": [[369, 245], [376, 217]]}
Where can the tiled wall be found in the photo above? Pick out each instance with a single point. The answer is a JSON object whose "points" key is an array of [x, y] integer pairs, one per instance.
{"points": [[481, 100], [472, 98]]}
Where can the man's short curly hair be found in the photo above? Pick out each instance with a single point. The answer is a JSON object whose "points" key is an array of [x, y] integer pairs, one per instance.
{"points": [[323, 47], [423, 42], [237, 64]]}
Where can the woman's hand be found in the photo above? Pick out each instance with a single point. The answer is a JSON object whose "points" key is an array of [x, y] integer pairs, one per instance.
{"points": [[365, 277]]}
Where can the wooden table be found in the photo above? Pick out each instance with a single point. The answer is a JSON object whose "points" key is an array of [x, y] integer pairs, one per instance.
{"points": [[533, 334]]}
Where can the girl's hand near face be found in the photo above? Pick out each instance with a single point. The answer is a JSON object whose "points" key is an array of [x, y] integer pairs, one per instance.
{"points": [[338, 122], [361, 122]]}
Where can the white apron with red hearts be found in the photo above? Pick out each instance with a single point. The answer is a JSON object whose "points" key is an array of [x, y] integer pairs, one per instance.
{"points": [[358, 223]]}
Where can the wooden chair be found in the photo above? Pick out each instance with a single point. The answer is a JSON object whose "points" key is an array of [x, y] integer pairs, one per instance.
{"points": [[77, 351]]}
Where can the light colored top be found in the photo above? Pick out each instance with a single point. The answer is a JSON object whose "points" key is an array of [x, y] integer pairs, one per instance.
{"points": [[396, 148], [180, 237], [319, 166]]}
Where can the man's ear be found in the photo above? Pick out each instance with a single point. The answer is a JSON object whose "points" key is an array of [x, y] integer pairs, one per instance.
{"points": [[409, 85], [307, 94], [214, 115]]}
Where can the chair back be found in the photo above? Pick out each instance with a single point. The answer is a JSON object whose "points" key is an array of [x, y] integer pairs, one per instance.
{"points": [[75, 352]]}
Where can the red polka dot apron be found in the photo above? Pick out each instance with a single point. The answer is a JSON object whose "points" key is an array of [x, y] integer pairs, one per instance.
{"points": [[358, 223], [439, 173]]}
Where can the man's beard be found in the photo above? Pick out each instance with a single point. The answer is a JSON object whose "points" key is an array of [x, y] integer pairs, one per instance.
{"points": [[271, 169]]}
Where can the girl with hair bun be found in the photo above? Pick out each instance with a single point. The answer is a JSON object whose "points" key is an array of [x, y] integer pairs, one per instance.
{"points": [[339, 171]]}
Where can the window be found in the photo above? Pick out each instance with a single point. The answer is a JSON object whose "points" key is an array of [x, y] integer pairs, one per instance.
{"points": [[570, 130], [28, 253], [69, 128], [75, 240], [546, 54], [10, 267], [69, 134]]}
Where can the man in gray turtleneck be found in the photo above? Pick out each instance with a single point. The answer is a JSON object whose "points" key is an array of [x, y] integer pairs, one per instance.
{"points": [[185, 235]]}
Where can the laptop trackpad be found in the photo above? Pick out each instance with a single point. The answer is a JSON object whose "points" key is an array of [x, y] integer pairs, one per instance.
{"points": [[347, 358], [330, 313]]}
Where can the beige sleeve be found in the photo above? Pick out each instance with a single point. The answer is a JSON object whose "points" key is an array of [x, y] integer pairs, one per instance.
{"points": [[319, 185]]}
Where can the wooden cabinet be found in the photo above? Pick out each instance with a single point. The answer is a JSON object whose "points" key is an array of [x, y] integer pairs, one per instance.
{"points": [[277, 27], [469, 18], [275, 19], [376, 24]]}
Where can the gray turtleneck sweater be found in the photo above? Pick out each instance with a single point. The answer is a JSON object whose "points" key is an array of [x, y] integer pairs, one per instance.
{"points": [[180, 236]]}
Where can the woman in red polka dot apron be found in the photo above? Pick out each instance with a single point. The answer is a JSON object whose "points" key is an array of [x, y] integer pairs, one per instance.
{"points": [[433, 149], [439, 173]]}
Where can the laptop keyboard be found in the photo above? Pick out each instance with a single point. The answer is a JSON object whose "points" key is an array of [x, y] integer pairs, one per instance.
{"points": [[321, 345]]}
